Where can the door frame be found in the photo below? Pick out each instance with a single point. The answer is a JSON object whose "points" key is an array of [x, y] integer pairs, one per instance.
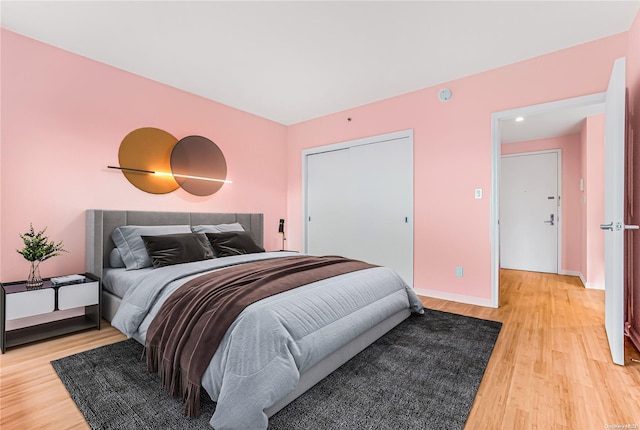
{"points": [[558, 152], [335, 147], [511, 114]]}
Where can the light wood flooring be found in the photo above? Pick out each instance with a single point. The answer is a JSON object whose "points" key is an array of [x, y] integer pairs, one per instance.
{"points": [[550, 368]]}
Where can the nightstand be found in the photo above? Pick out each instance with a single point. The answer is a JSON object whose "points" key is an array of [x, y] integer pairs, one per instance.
{"points": [[53, 310]]}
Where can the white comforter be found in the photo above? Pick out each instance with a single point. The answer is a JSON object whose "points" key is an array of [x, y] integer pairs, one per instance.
{"points": [[273, 341]]}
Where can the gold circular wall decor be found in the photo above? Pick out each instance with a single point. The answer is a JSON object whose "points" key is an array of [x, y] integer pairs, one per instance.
{"points": [[198, 165], [148, 149]]}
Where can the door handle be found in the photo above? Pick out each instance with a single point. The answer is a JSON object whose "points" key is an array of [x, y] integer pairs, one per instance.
{"points": [[551, 219], [618, 226]]}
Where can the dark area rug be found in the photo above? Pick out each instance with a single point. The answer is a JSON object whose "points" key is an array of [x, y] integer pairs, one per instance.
{"points": [[423, 374]]}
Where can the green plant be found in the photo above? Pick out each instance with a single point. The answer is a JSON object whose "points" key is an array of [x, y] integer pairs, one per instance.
{"points": [[37, 246]]}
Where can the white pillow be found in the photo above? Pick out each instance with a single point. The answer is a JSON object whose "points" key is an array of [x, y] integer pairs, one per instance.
{"points": [[132, 250], [217, 228]]}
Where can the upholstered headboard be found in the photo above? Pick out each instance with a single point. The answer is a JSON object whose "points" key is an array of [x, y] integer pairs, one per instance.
{"points": [[100, 224]]}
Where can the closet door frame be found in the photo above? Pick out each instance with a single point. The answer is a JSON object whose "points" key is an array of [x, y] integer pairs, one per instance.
{"points": [[334, 147]]}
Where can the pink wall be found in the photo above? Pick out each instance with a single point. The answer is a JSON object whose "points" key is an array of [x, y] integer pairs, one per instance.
{"points": [[63, 118], [570, 197], [592, 210], [452, 155], [633, 86], [1, 128]]}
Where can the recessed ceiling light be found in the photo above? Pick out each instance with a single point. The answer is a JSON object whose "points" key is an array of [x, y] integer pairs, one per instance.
{"points": [[520, 119]]}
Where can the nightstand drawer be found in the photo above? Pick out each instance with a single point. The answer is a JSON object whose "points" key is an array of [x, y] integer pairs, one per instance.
{"points": [[29, 303], [76, 295]]}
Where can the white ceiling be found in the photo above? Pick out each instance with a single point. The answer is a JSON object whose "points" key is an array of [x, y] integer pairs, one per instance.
{"points": [[297, 60], [554, 123]]}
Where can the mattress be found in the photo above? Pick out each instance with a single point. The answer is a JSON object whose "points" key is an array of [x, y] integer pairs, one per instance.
{"points": [[119, 281], [284, 335]]}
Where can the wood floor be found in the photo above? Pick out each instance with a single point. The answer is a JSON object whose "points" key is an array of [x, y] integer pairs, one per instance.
{"points": [[550, 368]]}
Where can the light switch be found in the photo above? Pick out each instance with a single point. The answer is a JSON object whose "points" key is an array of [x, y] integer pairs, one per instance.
{"points": [[478, 193]]}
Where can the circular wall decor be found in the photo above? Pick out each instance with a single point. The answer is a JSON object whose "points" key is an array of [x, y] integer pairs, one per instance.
{"points": [[198, 165], [148, 149], [156, 162]]}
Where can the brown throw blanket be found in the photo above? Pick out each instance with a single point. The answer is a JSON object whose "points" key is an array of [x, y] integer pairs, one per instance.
{"points": [[187, 330]]}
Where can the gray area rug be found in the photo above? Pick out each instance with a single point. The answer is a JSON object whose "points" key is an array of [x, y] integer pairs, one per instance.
{"points": [[423, 374]]}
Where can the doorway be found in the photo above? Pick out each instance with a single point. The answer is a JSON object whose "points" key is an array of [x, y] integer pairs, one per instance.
{"points": [[594, 104]]}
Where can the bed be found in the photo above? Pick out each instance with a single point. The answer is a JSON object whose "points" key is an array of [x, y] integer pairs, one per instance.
{"points": [[254, 380]]}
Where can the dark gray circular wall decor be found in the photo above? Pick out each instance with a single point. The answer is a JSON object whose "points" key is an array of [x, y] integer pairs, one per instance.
{"points": [[198, 165]]}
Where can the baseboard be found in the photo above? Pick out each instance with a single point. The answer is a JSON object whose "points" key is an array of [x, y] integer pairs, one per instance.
{"points": [[590, 285], [584, 281], [571, 273], [452, 297], [594, 285]]}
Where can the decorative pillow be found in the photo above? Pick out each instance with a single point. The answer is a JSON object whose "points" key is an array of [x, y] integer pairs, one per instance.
{"points": [[170, 249], [131, 247], [217, 228], [115, 259], [233, 243]]}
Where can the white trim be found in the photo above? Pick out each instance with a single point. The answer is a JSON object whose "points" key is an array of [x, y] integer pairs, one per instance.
{"points": [[594, 286], [494, 212], [585, 284], [593, 99], [571, 273], [583, 279], [336, 147], [452, 297], [358, 142], [558, 152]]}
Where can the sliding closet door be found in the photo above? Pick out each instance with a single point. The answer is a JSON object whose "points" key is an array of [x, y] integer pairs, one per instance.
{"points": [[360, 204], [328, 195], [382, 204]]}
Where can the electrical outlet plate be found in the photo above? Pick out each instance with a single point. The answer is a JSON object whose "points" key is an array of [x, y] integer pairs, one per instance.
{"points": [[459, 271], [478, 193]]}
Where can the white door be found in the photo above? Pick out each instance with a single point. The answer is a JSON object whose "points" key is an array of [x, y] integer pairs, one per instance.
{"points": [[383, 205], [359, 203], [327, 176], [614, 211], [529, 209]]}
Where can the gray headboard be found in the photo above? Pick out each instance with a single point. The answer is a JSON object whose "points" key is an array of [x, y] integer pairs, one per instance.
{"points": [[100, 224]]}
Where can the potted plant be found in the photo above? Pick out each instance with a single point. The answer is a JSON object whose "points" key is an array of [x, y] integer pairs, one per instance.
{"points": [[38, 248]]}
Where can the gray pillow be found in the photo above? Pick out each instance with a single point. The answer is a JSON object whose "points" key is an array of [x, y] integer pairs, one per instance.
{"points": [[217, 228], [127, 239], [170, 249], [115, 259]]}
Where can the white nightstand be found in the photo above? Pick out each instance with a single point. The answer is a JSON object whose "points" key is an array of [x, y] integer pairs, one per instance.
{"points": [[53, 310]]}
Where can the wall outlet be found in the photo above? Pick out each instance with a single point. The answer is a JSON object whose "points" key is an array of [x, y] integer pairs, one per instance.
{"points": [[459, 271], [478, 193]]}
